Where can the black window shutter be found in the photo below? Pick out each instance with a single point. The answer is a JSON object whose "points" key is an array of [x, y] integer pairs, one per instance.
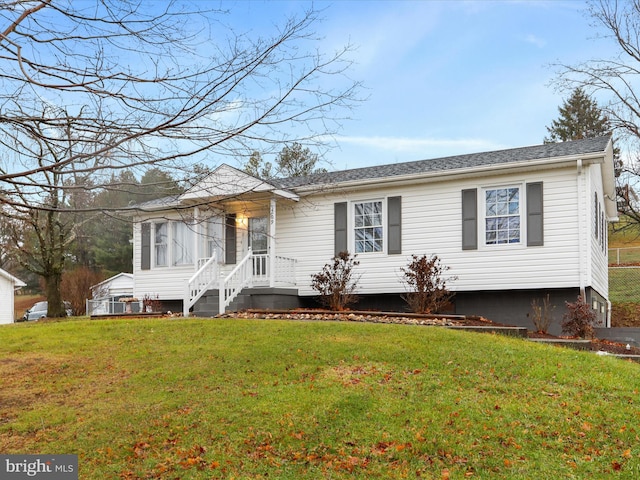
{"points": [[145, 254], [340, 227], [394, 220], [535, 217], [230, 239], [470, 219]]}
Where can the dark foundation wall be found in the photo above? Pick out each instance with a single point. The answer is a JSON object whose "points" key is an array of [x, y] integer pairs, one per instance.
{"points": [[513, 307], [384, 302]]}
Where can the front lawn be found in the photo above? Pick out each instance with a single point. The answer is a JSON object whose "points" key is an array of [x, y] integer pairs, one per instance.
{"points": [[201, 399]]}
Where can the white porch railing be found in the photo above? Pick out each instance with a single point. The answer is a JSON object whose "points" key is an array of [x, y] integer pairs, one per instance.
{"points": [[255, 270], [199, 283], [252, 270], [239, 278], [285, 270]]}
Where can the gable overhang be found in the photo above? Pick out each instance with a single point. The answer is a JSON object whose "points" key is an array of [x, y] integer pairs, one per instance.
{"points": [[128, 276], [607, 169], [17, 283], [227, 182]]}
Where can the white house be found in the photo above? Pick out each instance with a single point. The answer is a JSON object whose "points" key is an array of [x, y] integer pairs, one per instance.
{"points": [[512, 226], [8, 285], [120, 285], [107, 295]]}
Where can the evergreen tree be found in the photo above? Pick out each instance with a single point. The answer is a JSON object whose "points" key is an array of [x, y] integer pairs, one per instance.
{"points": [[111, 248], [295, 161], [292, 161], [257, 167], [580, 117]]}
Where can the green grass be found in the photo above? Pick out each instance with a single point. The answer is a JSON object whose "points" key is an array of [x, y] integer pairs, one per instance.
{"points": [[201, 399], [624, 285]]}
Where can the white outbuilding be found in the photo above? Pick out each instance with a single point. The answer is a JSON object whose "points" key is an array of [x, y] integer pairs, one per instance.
{"points": [[8, 285]]}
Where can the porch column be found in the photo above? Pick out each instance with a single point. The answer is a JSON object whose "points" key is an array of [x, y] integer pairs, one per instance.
{"points": [[272, 242], [196, 238]]}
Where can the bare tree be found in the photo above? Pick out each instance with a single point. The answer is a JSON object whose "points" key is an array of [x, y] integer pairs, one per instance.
{"points": [[90, 88], [616, 79]]}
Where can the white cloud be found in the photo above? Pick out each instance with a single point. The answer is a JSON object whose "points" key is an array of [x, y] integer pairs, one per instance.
{"points": [[535, 40]]}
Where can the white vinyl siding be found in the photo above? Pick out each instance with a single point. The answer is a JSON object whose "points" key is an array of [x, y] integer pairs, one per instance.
{"points": [[431, 217], [164, 282], [598, 277], [431, 224]]}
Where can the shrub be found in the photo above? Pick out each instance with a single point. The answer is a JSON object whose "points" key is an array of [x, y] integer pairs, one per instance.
{"points": [[428, 288], [336, 282], [542, 314], [76, 287], [151, 304], [579, 319]]}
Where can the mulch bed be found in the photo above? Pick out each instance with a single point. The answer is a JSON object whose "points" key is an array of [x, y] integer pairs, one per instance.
{"points": [[597, 345]]}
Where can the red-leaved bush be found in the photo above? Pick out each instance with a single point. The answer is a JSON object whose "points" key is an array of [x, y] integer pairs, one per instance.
{"points": [[336, 282], [579, 319], [428, 292]]}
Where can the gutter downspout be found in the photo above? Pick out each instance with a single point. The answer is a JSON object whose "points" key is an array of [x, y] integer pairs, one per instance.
{"points": [[581, 231]]}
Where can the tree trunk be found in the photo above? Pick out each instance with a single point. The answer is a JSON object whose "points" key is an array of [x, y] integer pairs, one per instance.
{"points": [[54, 297]]}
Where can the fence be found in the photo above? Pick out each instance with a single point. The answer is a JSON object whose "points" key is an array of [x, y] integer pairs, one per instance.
{"points": [[624, 275], [624, 284], [624, 256], [108, 306]]}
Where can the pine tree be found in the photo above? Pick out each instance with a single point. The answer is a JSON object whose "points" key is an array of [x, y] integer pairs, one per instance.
{"points": [[292, 161], [580, 117], [295, 161]]}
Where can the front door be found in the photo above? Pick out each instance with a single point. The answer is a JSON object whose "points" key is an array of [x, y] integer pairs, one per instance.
{"points": [[259, 243]]}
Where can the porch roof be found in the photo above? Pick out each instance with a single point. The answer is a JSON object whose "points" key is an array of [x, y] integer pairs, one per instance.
{"points": [[228, 182], [224, 183]]}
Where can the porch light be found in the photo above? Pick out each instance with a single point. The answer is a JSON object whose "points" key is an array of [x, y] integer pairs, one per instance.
{"points": [[242, 220]]}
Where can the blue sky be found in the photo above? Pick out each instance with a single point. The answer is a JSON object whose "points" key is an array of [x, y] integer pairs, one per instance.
{"points": [[445, 77]]}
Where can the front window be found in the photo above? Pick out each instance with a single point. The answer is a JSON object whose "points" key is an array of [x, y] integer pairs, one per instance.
{"points": [[182, 244], [215, 238], [160, 242], [502, 215], [368, 229]]}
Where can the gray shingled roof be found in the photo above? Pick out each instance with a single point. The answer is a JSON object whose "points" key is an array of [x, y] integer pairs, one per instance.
{"points": [[537, 152], [168, 203], [522, 154]]}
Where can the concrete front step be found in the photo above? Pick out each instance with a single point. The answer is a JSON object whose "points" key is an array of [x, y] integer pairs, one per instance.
{"points": [[258, 297]]}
